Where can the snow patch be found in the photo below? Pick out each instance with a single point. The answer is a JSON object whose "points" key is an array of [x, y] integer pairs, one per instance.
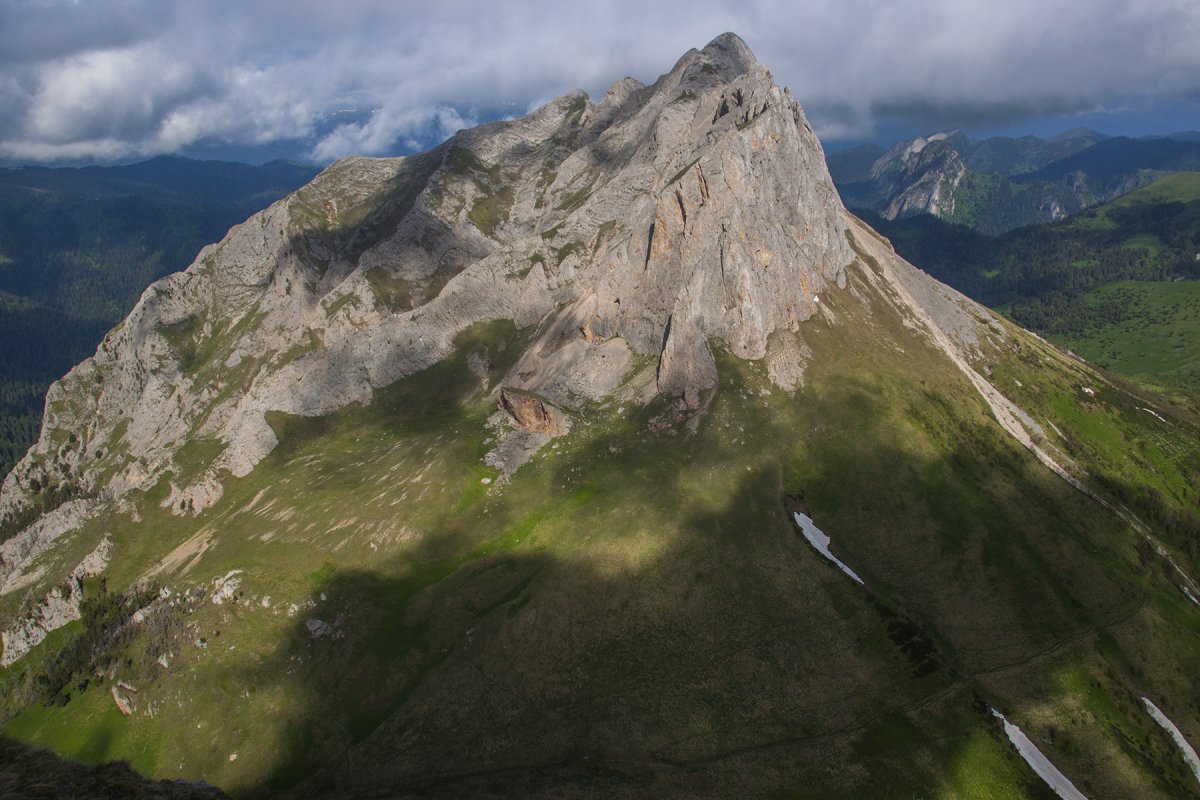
{"points": [[1189, 752], [1038, 762], [1154, 414], [817, 538]]}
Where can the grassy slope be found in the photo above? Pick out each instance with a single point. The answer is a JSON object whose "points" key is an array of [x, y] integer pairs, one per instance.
{"points": [[635, 614], [1153, 341], [1156, 344], [1181, 187]]}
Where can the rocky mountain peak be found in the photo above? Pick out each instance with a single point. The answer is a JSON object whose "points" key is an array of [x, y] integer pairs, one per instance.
{"points": [[696, 209], [727, 55], [920, 176]]}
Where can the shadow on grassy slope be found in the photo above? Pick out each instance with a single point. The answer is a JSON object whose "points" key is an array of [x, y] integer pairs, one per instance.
{"points": [[34, 774], [647, 620], [635, 614]]}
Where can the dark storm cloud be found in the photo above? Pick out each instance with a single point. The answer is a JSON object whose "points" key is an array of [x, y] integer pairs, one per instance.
{"points": [[106, 79], [37, 31], [930, 112]]}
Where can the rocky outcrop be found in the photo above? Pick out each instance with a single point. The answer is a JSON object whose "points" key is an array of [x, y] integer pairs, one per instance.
{"points": [[56, 609], [121, 701], [18, 554], [226, 588], [919, 177], [532, 413]]}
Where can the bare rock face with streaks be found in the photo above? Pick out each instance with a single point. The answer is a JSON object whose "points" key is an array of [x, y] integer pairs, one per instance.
{"points": [[919, 177], [665, 217]]}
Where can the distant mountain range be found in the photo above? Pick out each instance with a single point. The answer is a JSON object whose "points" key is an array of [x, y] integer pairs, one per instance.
{"points": [[78, 246], [998, 184], [168, 178]]}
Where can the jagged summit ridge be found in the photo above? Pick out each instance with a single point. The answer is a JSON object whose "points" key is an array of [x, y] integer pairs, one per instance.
{"points": [[697, 207], [727, 53]]}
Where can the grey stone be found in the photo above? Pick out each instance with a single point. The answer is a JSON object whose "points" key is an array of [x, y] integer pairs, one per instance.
{"points": [[636, 231]]}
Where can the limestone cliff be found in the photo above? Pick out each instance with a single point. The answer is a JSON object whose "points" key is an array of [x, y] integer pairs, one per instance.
{"points": [[663, 217], [919, 177]]}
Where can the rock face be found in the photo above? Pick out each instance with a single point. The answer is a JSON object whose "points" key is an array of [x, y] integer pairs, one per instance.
{"points": [[532, 413], [56, 609], [694, 209], [919, 177]]}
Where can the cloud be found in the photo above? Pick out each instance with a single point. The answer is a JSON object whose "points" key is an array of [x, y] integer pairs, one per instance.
{"points": [[971, 112], [110, 79], [413, 128]]}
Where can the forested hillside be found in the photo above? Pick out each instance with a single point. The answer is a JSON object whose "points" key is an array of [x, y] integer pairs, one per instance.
{"points": [[1113, 282]]}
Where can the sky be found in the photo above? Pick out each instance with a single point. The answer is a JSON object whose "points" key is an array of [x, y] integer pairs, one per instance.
{"points": [[119, 80]]}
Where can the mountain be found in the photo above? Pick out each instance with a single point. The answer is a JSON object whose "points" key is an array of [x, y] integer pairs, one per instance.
{"points": [[1114, 283], [219, 183], [78, 246], [999, 184], [1003, 155], [600, 452], [853, 165], [1113, 163]]}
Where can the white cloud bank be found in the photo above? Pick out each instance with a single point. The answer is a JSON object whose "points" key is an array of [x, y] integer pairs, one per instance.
{"points": [[111, 79]]}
